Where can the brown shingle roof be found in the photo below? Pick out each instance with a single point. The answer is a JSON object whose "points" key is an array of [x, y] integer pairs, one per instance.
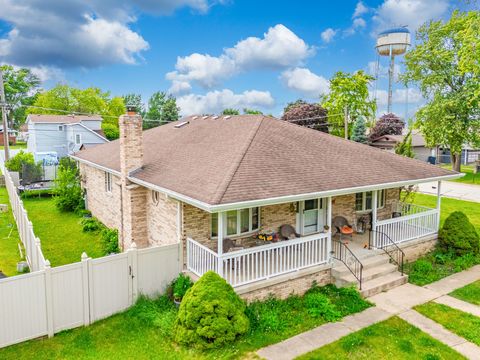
{"points": [[63, 119], [251, 157]]}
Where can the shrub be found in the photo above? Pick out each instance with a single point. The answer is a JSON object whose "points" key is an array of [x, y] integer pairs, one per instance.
{"points": [[180, 286], [318, 305], [111, 131], [91, 225], [109, 241], [67, 190], [458, 235], [22, 158], [211, 314]]}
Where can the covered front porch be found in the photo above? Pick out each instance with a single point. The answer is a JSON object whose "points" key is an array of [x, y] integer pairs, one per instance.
{"points": [[245, 257]]}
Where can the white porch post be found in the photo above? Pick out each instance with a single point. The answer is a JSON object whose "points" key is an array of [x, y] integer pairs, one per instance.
{"points": [[374, 215], [329, 223], [220, 244], [439, 201]]}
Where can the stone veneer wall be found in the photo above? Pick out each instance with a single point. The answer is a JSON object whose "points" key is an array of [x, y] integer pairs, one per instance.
{"points": [[162, 220], [134, 217], [104, 205]]}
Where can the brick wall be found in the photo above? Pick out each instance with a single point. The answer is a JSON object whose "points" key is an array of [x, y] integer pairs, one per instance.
{"points": [[161, 220], [104, 205], [274, 216], [392, 197], [134, 217], [417, 248]]}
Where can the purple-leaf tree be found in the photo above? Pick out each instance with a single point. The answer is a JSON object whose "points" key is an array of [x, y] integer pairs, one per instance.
{"points": [[388, 124]]}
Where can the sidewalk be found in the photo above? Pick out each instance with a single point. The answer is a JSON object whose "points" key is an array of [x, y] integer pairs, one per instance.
{"points": [[398, 301], [461, 191]]}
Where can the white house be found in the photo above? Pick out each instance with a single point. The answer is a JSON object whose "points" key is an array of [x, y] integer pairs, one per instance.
{"points": [[63, 134]]}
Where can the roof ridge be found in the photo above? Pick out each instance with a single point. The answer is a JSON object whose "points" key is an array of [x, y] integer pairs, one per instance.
{"points": [[236, 164]]}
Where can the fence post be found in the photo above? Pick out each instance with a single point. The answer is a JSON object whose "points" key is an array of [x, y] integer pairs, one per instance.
{"points": [[37, 246], [49, 298], [85, 289], [132, 271]]}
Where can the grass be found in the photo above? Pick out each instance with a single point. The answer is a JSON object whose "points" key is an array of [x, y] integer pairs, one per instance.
{"points": [[469, 293], [60, 233], [436, 266], [390, 339], [9, 238], [458, 322], [469, 178], [145, 331], [18, 145]]}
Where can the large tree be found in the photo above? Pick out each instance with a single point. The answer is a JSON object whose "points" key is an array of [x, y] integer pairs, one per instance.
{"points": [[444, 66], [21, 88], [162, 108], [136, 101], [63, 99], [312, 116], [348, 94], [388, 124]]}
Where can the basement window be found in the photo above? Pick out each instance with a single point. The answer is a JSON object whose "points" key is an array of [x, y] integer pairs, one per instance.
{"points": [[108, 182]]}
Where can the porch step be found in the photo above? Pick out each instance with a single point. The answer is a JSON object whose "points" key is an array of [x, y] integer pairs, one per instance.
{"points": [[343, 276], [383, 283]]}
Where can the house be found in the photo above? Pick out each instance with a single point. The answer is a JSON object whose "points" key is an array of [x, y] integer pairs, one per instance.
{"points": [[63, 134], [389, 142], [216, 184], [23, 133], [12, 136]]}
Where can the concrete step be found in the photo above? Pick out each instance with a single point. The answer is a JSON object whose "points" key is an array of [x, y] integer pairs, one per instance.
{"points": [[344, 277], [383, 283]]}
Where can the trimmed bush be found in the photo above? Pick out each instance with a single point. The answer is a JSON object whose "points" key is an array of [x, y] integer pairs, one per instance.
{"points": [[318, 305], [458, 235], [211, 314]]}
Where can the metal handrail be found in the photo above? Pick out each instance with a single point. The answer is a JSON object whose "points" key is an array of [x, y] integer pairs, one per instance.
{"points": [[340, 251], [399, 261]]}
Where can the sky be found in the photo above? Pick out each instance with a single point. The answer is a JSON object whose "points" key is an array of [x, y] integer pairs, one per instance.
{"points": [[211, 54]]}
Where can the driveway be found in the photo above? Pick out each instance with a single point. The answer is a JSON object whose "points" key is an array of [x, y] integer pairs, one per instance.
{"points": [[453, 190]]}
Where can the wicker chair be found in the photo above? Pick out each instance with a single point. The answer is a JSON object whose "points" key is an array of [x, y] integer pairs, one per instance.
{"points": [[342, 226]]}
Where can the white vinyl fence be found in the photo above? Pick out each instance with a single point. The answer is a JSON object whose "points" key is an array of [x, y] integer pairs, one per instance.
{"points": [[33, 248], [54, 299]]}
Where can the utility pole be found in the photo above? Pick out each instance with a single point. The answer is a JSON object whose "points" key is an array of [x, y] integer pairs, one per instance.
{"points": [[3, 105], [346, 123]]}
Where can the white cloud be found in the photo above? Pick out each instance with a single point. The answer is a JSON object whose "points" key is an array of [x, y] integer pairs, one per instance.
{"points": [[279, 48], [328, 35], [305, 82], [360, 9], [399, 96], [179, 87], [357, 23], [213, 102], [412, 13]]}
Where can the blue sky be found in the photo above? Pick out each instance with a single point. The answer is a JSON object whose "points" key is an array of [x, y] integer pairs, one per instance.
{"points": [[209, 54]]}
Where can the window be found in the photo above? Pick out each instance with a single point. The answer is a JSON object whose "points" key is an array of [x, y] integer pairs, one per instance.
{"points": [[237, 222], [364, 201], [78, 139], [60, 127], [155, 197], [108, 182]]}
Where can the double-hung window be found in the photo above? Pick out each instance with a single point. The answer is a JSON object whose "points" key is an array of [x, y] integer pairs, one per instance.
{"points": [[237, 222], [78, 139], [364, 200], [108, 182]]}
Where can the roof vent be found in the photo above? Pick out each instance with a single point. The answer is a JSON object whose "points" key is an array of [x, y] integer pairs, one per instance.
{"points": [[182, 124], [227, 117], [204, 117], [215, 117], [193, 118]]}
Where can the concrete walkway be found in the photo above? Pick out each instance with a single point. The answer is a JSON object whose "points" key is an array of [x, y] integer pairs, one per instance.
{"points": [[398, 301], [461, 191]]}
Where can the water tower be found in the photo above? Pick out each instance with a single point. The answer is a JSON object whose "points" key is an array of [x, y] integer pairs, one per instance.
{"points": [[392, 42]]}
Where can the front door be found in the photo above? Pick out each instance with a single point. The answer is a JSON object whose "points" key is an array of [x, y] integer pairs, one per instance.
{"points": [[312, 216]]}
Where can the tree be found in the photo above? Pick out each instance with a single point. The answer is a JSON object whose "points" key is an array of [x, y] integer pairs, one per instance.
{"points": [[348, 93], [293, 104], [64, 99], [449, 80], [312, 116], [21, 88], [136, 101], [67, 190], [388, 124], [248, 111], [230, 112], [162, 108], [358, 132], [404, 147]]}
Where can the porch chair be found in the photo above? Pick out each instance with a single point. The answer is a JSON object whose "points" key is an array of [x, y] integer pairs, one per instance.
{"points": [[286, 232], [343, 227]]}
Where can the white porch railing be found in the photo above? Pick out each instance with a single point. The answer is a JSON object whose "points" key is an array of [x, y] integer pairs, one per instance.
{"points": [[409, 227], [410, 209], [259, 262]]}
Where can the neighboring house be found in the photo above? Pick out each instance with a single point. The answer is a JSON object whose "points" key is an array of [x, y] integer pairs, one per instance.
{"points": [[23, 133], [63, 134], [388, 142], [12, 136], [213, 183]]}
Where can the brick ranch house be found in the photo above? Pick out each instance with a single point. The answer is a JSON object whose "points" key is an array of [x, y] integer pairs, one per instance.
{"points": [[213, 183]]}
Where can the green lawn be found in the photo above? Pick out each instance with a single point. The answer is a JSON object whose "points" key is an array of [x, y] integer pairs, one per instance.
{"points": [[145, 331], [469, 177], [60, 233], [458, 322], [18, 145], [9, 239], [469, 293], [433, 267], [391, 339]]}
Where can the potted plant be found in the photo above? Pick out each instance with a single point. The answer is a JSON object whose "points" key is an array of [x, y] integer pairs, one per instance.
{"points": [[180, 287]]}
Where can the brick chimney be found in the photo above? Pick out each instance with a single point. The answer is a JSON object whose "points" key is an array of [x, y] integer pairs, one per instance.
{"points": [[134, 197]]}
